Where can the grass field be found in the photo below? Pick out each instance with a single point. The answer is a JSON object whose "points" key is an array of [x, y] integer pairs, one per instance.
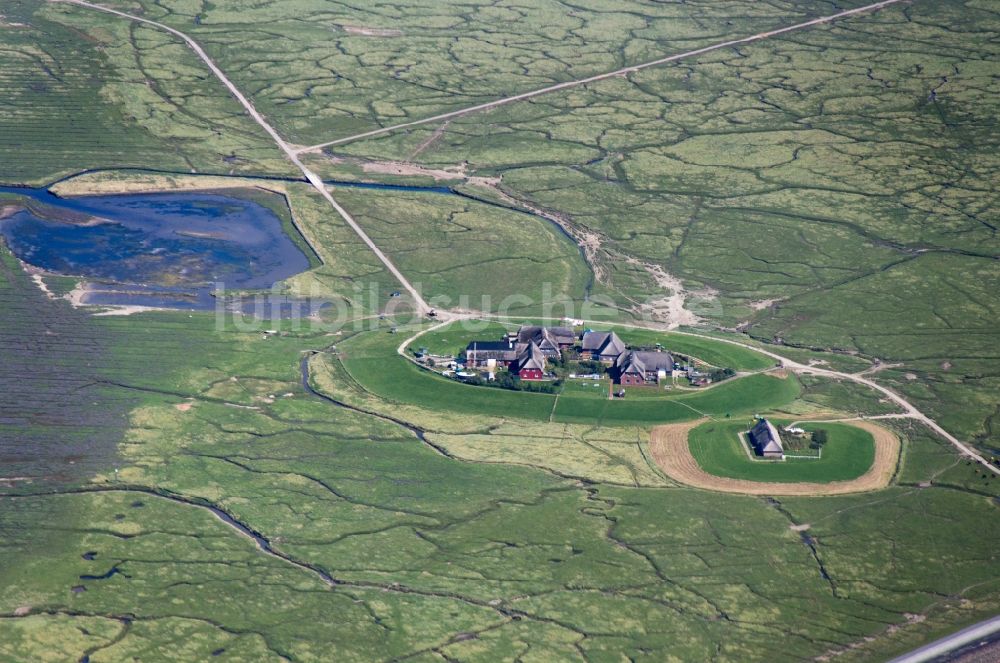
{"points": [[415, 537], [831, 189], [81, 92], [453, 338], [324, 72], [847, 455], [812, 194], [456, 336], [462, 253]]}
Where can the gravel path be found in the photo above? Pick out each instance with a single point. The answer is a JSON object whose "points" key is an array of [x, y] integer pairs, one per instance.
{"points": [[292, 155], [611, 74]]}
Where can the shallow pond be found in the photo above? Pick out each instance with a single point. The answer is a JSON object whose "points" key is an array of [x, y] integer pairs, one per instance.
{"points": [[169, 246]]}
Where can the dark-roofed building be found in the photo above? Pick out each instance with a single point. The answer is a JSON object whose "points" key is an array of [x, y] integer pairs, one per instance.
{"points": [[601, 346], [639, 367], [487, 353], [530, 363], [765, 440], [550, 340]]}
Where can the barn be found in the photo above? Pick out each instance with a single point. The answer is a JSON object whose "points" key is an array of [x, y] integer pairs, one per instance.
{"points": [[765, 440], [530, 363], [603, 346], [480, 354], [550, 340], [637, 367]]}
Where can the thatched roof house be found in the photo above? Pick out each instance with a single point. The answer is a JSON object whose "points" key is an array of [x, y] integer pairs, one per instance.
{"points": [[765, 439], [602, 345]]}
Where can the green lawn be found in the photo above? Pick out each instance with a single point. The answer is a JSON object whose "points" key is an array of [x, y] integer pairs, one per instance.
{"points": [[371, 359], [456, 336], [453, 338], [848, 454], [715, 353]]}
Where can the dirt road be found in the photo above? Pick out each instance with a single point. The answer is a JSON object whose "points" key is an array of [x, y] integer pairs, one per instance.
{"points": [[600, 77], [669, 448], [313, 178], [911, 410], [421, 304]]}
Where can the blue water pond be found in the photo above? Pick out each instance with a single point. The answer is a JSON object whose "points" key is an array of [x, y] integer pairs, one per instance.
{"points": [[163, 240]]}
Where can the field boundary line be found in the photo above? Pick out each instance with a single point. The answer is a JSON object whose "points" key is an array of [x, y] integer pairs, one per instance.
{"points": [[599, 77]]}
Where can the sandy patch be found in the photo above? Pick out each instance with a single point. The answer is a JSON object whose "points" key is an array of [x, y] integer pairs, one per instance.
{"points": [[4, 23], [371, 32], [800, 528], [127, 310], [406, 169], [76, 295], [669, 447], [183, 407], [9, 210], [671, 308], [40, 282], [762, 304], [94, 183]]}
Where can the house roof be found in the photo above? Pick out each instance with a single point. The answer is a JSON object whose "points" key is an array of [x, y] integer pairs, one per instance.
{"points": [[546, 336], [530, 358], [487, 346], [604, 343], [656, 361], [636, 361], [765, 436], [630, 363], [593, 340]]}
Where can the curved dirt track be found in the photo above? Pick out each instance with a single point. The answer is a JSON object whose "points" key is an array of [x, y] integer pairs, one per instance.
{"points": [[669, 447]]}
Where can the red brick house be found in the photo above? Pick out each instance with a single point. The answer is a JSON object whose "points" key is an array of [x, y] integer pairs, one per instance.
{"points": [[530, 363], [636, 368]]}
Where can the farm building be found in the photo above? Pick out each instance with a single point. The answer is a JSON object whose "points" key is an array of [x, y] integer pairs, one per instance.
{"points": [[637, 367], [550, 340], [530, 363], [765, 439], [602, 346], [479, 354]]}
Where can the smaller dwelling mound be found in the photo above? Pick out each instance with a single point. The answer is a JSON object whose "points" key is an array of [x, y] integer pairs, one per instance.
{"points": [[765, 440]]}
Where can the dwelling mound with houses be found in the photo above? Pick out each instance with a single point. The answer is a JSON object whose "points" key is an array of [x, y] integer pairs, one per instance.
{"points": [[526, 351]]}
